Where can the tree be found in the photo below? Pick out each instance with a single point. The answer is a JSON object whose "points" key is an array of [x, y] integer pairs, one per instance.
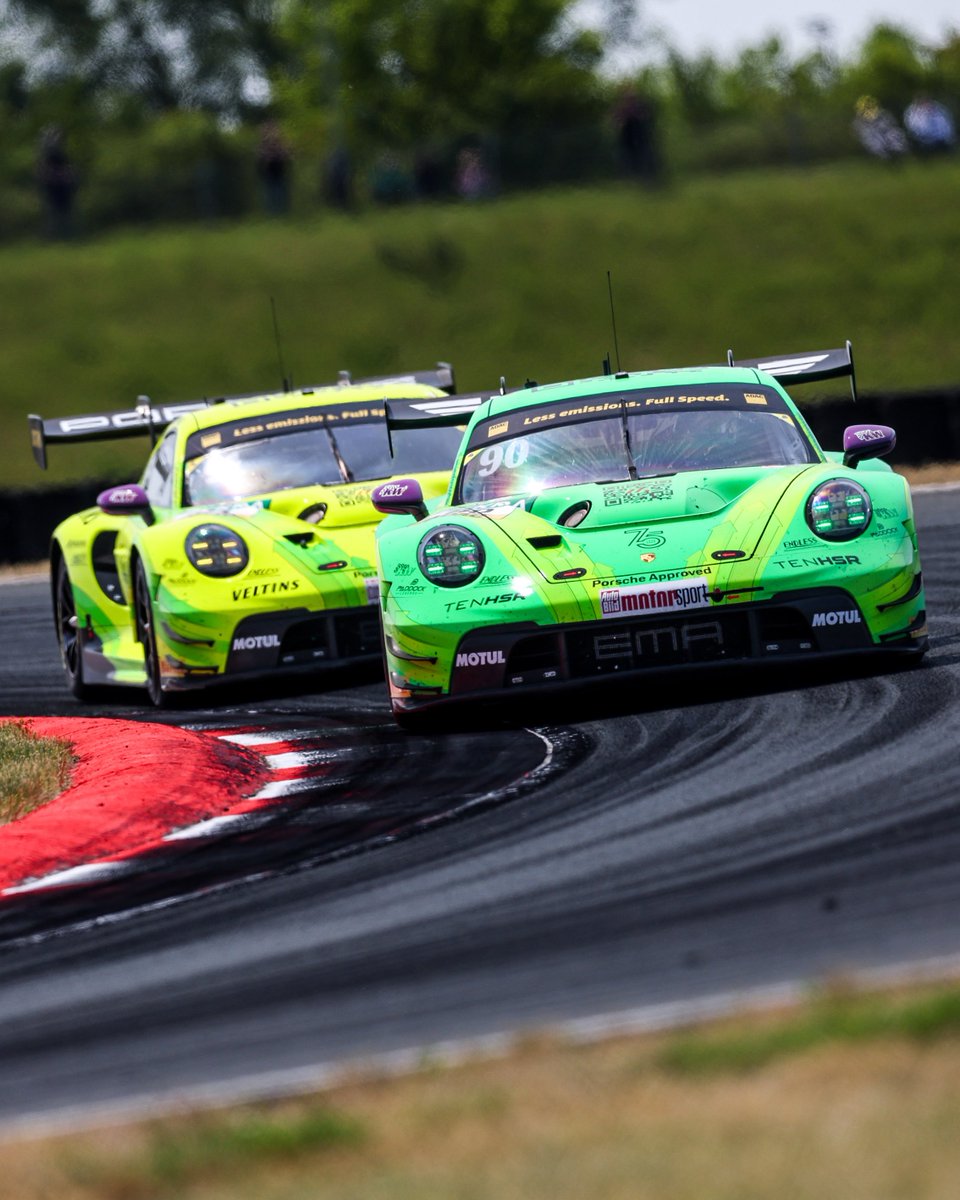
{"points": [[171, 53], [892, 66], [400, 72]]}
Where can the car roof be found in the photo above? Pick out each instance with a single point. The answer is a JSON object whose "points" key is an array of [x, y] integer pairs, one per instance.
{"points": [[602, 385], [232, 408]]}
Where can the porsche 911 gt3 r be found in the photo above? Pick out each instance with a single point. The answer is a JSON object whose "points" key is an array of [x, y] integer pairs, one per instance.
{"points": [[246, 549], [646, 521]]}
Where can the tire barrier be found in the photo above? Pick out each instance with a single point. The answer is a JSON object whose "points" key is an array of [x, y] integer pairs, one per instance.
{"points": [[28, 516], [927, 424]]}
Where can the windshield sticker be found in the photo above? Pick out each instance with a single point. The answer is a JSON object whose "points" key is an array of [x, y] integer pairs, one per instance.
{"points": [[637, 493], [235, 508], [523, 420], [232, 433], [350, 497]]}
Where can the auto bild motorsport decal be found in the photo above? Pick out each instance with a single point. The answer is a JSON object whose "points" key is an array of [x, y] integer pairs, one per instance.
{"points": [[652, 597]]}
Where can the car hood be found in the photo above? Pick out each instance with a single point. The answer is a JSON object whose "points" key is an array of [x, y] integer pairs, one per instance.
{"points": [[656, 526], [341, 504]]}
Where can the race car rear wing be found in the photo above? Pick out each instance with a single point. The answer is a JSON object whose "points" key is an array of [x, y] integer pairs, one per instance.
{"points": [[441, 376], [431, 414], [101, 426], [150, 419], [809, 367]]}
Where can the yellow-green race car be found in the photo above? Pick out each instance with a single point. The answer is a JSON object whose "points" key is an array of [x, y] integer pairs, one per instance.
{"points": [[247, 548]]}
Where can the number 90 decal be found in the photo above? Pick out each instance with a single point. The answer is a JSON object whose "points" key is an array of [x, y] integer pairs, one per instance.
{"points": [[510, 454]]}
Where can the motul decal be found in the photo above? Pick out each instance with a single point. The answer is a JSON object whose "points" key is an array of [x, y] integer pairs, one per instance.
{"points": [[481, 658], [262, 641], [849, 616]]}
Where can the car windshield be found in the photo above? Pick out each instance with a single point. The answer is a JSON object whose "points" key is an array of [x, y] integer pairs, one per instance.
{"points": [[314, 456], [611, 449]]}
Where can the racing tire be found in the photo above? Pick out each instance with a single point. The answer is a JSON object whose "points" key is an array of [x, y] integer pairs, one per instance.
{"points": [[68, 631], [143, 615]]}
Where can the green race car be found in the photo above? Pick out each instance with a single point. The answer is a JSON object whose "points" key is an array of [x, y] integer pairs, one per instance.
{"points": [[646, 521], [246, 550]]}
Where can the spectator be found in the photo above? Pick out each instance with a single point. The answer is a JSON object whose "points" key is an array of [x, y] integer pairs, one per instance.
{"points": [[338, 179], [390, 181], [878, 131], [428, 174], [58, 182], [635, 118], [930, 126], [473, 178], [273, 167]]}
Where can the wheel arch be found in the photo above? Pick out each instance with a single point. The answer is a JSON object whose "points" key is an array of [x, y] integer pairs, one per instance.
{"points": [[136, 558]]}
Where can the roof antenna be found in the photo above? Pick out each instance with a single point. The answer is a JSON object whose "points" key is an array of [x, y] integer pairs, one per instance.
{"points": [[853, 373], [613, 322], [145, 413], [287, 382]]}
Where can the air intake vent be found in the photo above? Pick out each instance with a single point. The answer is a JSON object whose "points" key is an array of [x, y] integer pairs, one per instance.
{"points": [[548, 541], [575, 514]]}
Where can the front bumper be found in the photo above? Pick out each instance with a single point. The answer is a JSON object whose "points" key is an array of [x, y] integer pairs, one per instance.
{"points": [[798, 626], [276, 644]]}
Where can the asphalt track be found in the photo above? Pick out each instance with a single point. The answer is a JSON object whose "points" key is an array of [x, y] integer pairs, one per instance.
{"points": [[716, 836]]}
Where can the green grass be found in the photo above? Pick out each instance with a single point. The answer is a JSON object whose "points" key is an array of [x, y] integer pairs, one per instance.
{"points": [[209, 1147], [213, 1147], [827, 1020], [764, 261], [32, 770]]}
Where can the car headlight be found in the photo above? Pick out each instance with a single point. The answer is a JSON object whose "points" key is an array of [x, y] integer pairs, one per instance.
{"points": [[450, 556], [216, 550], [839, 510]]}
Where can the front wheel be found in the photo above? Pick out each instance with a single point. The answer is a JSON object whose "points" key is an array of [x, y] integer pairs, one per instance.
{"points": [[69, 633], [143, 615]]}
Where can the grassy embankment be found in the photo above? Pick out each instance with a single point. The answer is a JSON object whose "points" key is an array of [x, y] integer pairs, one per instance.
{"points": [[765, 261], [32, 770], [852, 1096]]}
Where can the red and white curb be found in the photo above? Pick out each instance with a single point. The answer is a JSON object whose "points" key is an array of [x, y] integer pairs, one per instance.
{"points": [[289, 769], [138, 786]]}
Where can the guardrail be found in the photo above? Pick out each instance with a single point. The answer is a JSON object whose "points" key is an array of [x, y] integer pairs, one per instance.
{"points": [[927, 425]]}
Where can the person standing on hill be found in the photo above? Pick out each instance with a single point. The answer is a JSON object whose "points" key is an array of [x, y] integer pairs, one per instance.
{"points": [[878, 131], [273, 167], [930, 126], [57, 180], [635, 119]]}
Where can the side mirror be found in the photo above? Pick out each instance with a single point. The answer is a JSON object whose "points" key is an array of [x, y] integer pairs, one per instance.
{"points": [[126, 500], [400, 496], [866, 441]]}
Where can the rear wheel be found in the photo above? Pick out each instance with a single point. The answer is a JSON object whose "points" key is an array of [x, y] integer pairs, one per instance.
{"points": [[69, 634], [143, 615]]}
